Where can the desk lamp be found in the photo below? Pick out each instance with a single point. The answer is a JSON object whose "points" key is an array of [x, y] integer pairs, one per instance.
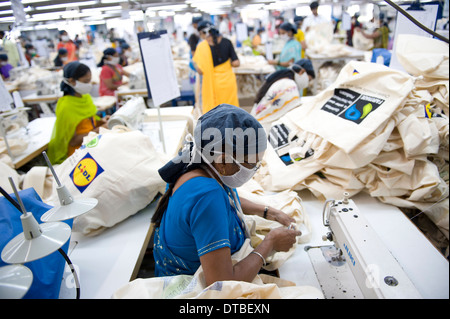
{"points": [[36, 241], [15, 281], [69, 208]]}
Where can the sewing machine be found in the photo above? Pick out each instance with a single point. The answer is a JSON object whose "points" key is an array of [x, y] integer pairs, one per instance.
{"points": [[375, 270], [130, 114]]}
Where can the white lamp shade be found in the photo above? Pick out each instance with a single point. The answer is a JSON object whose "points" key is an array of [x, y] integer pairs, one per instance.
{"points": [[74, 209], [37, 241], [15, 281]]}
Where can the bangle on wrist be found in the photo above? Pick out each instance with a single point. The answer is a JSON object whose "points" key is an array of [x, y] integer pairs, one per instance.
{"points": [[266, 209], [263, 259]]}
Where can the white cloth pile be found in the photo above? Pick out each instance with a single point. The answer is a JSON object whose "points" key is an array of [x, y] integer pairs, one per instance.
{"points": [[249, 84], [28, 78], [119, 168], [319, 40], [373, 130], [194, 287]]}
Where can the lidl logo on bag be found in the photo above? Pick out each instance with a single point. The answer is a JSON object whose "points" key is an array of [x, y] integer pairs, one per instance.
{"points": [[351, 105], [84, 173]]}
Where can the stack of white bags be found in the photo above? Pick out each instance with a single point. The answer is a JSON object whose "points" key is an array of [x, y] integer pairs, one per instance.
{"points": [[376, 129]]}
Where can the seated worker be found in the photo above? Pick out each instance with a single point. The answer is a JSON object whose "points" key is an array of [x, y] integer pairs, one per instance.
{"points": [[75, 113], [292, 50], [62, 58], [126, 55], [67, 44], [281, 91], [30, 53], [111, 73], [5, 67], [199, 220]]}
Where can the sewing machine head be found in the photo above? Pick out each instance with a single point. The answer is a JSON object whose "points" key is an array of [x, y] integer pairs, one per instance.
{"points": [[131, 114], [376, 271], [137, 79], [48, 85]]}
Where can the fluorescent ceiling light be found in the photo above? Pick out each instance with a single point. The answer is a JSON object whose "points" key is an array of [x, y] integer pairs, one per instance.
{"points": [[8, 3], [67, 5], [93, 10], [174, 7]]}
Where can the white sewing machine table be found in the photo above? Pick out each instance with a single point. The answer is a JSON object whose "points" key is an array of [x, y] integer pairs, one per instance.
{"points": [[425, 266]]}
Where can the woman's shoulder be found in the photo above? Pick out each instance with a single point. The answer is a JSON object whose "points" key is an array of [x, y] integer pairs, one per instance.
{"points": [[283, 83], [199, 186]]}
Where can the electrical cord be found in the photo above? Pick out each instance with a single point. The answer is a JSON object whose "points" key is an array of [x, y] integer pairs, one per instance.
{"points": [[72, 268], [417, 23]]}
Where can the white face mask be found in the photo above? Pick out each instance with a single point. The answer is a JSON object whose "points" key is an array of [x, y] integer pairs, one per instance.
{"points": [[284, 37], [128, 54], [82, 88], [64, 38], [64, 59], [237, 179], [302, 81], [114, 60]]}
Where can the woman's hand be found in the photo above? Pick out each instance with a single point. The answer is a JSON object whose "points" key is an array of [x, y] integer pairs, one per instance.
{"points": [[282, 239], [279, 216]]}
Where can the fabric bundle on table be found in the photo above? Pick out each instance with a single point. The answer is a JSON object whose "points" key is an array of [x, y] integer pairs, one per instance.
{"points": [[119, 168], [376, 130], [194, 286]]}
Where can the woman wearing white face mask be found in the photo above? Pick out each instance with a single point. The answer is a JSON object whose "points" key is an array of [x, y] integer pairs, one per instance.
{"points": [[292, 50], [66, 43], [111, 73], [199, 220], [282, 91], [75, 113]]}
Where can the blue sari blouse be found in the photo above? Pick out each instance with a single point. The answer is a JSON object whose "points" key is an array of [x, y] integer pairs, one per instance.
{"points": [[199, 219], [291, 50]]}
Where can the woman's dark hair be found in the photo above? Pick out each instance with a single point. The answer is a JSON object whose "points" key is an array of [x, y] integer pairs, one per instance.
{"points": [[164, 200], [271, 79], [214, 33], [109, 51], [80, 71]]}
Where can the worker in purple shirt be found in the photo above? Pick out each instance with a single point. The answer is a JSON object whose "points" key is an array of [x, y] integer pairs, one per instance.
{"points": [[5, 67]]}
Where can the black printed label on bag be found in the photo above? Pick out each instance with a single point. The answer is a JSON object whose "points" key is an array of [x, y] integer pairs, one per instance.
{"points": [[279, 139], [351, 105]]}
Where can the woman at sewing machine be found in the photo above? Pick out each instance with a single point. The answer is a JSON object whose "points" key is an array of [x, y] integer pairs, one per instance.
{"points": [[199, 220], [281, 91], [111, 75], [75, 113], [292, 50]]}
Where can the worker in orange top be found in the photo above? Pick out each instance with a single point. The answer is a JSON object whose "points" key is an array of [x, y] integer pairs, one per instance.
{"points": [[67, 44]]}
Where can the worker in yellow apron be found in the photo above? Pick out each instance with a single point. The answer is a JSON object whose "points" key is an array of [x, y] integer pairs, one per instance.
{"points": [[214, 60]]}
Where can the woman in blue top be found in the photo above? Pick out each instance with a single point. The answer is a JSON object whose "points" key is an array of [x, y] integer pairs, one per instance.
{"points": [[292, 50], [199, 220]]}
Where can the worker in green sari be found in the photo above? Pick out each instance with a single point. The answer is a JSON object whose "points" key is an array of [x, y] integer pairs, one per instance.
{"points": [[76, 114]]}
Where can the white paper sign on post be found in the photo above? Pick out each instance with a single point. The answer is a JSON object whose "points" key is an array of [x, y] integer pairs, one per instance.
{"points": [[158, 67]]}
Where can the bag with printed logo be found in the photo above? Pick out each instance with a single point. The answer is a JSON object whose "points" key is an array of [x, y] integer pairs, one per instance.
{"points": [[346, 126], [120, 170]]}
